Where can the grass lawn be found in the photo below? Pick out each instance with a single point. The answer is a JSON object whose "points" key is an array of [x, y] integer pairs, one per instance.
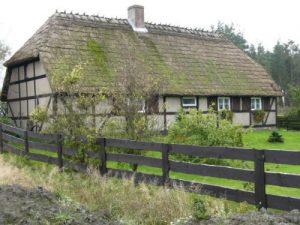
{"points": [[252, 139], [258, 139]]}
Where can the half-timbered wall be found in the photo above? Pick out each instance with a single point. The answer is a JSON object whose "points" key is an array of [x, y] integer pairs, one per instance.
{"points": [[28, 88], [170, 105]]}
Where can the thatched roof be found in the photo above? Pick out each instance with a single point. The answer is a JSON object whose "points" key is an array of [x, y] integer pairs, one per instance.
{"points": [[190, 62]]}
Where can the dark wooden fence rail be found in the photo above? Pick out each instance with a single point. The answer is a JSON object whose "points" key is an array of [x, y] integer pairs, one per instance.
{"points": [[289, 124], [25, 143]]}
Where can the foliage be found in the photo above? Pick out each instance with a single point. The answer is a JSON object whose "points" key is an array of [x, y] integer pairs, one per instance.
{"points": [[282, 62], [4, 115], [259, 115], [200, 211], [294, 95], [122, 111], [39, 114], [230, 32], [292, 113], [4, 52], [3, 108], [275, 137], [226, 115], [204, 130]]}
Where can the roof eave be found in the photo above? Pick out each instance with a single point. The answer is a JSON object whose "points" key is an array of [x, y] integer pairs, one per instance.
{"points": [[13, 63]]}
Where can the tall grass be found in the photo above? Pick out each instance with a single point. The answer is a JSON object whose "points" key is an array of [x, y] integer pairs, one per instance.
{"points": [[120, 199]]}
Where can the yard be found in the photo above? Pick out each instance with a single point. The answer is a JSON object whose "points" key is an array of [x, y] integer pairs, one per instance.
{"points": [[89, 192], [252, 139]]}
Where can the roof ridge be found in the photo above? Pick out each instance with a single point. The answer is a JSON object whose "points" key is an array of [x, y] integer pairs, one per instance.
{"points": [[158, 26]]}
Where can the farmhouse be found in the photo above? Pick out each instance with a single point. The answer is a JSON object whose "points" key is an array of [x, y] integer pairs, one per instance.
{"points": [[199, 68]]}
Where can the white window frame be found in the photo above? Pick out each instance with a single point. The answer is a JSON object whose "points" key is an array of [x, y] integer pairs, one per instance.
{"points": [[223, 101], [260, 103], [189, 105]]}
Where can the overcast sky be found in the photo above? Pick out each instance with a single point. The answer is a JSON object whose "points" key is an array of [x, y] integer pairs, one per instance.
{"points": [[262, 21]]}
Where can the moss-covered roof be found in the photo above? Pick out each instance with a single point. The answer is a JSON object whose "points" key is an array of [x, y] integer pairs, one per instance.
{"points": [[189, 62]]}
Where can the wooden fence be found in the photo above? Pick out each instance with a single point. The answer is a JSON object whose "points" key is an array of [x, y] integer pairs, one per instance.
{"points": [[11, 137], [289, 124]]}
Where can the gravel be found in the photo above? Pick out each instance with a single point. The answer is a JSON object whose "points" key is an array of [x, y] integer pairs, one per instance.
{"points": [[25, 206]]}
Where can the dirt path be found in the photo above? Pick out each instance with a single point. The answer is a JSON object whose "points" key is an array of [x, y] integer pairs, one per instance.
{"points": [[20, 206]]}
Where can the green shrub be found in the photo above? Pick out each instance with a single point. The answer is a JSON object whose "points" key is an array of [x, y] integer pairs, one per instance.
{"points": [[204, 129], [200, 211], [259, 115], [275, 137], [226, 115], [6, 120], [293, 113]]}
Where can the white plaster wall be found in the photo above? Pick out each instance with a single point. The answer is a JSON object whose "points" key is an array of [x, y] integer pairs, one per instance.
{"points": [[24, 108], [23, 90], [202, 102], [23, 124], [39, 69], [18, 122], [241, 119], [43, 102], [173, 104], [9, 112], [156, 122], [13, 91], [21, 72], [271, 119], [170, 120], [29, 70], [30, 86], [103, 107], [43, 86], [14, 75], [31, 105], [273, 106], [15, 107]]}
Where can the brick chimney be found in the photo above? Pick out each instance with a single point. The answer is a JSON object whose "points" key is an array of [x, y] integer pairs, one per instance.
{"points": [[136, 18]]}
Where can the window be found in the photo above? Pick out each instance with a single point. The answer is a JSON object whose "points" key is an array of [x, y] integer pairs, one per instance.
{"points": [[189, 101], [255, 103], [223, 103], [136, 105]]}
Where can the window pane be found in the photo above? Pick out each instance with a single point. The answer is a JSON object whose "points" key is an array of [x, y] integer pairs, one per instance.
{"points": [[191, 101]]}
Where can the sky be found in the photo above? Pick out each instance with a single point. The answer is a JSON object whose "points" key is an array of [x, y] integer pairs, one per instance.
{"points": [[261, 21]]}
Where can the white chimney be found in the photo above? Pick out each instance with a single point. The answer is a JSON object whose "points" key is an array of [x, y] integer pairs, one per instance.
{"points": [[136, 18]]}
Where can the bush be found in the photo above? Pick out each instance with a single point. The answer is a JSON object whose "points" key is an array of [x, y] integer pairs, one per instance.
{"points": [[293, 113], [259, 115], [205, 130], [226, 115], [275, 137]]}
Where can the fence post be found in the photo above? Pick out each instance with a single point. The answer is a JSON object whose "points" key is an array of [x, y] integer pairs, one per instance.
{"points": [[26, 144], [59, 141], [1, 139], [102, 155], [260, 182], [165, 163]]}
